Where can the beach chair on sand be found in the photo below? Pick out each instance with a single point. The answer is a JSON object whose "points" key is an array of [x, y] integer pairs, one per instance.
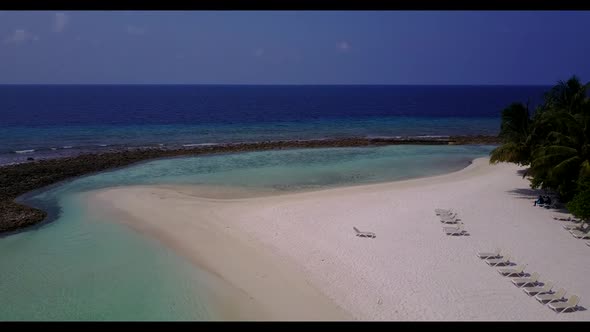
{"points": [[588, 243], [559, 307], [443, 211], [551, 297], [449, 220], [512, 271], [578, 234], [534, 290], [499, 261], [486, 255], [459, 230], [569, 218], [521, 282], [364, 234], [571, 227], [554, 205]]}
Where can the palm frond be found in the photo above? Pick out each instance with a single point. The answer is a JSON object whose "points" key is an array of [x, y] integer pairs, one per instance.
{"points": [[509, 152], [567, 168]]}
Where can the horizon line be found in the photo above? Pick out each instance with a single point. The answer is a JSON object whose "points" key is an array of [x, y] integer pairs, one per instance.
{"points": [[281, 84]]}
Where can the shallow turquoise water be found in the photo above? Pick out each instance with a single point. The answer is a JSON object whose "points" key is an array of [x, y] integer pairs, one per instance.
{"points": [[81, 268]]}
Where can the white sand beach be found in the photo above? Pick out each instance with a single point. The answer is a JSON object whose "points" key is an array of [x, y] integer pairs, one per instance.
{"points": [[296, 256]]}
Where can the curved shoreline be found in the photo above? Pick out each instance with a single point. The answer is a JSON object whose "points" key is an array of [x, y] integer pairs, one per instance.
{"points": [[20, 179], [473, 166], [224, 257]]}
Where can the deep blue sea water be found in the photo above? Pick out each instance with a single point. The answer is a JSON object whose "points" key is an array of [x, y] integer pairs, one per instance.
{"points": [[45, 120]]}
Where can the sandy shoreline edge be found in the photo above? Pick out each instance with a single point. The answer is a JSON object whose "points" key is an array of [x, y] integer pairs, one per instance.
{"points": [[295, 256]]}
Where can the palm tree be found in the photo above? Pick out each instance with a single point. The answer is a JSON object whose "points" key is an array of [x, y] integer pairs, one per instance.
{"points": [[561, 132], [555, 142], [567, 96], [515, 132]]}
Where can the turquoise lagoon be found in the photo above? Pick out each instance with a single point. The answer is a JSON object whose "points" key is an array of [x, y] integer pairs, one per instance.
{"points": [[79, 267]]}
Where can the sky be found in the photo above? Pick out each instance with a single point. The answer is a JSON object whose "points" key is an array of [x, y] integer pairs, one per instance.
{"points": [[290, 47]]}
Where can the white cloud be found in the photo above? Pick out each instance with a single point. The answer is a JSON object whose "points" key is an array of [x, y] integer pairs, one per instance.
{"points": [[60, 22], [133, 30], [20, 36], [343, 46]]}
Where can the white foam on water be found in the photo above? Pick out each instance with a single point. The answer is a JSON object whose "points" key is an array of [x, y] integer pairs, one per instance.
{"points": [[200, 144], [24, 151]]}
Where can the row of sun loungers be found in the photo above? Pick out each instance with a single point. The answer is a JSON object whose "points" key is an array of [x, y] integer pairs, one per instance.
{"points": [[531, 284], [450, 217]]}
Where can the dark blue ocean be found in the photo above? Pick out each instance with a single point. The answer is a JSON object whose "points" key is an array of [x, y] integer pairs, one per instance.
{"points": [[47, 120]]}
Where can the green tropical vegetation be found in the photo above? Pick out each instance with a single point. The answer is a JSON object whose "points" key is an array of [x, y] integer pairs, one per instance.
{"points": [[553, 142]]}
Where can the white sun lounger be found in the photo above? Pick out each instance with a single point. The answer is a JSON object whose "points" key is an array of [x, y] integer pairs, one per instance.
{"points": [[440, 212], [551, 297], [454, 230], [499, 261], [566, 219], [448, 214], [450, 221], [486, 255], [539, 290], [521, 282], [512, 271], [580, 234], [364, 234], [457, 226], [559, 307], [445, 217], [571, 227]]}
